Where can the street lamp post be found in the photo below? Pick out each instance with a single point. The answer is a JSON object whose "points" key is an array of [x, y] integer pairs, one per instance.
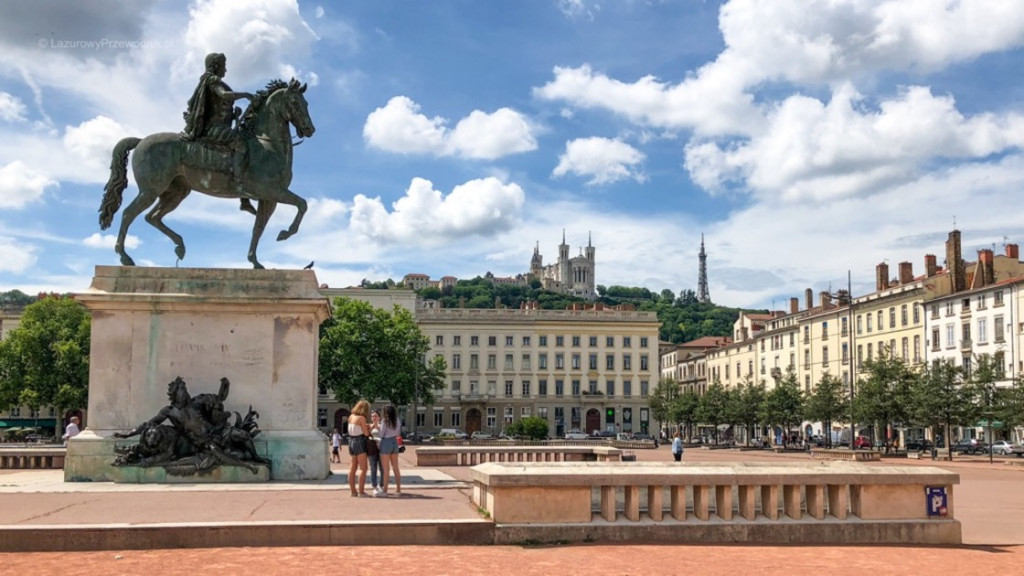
{"points": [[852, 354]]}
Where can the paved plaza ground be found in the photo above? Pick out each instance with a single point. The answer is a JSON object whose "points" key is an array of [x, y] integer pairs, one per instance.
{"points": [[989, 503]]}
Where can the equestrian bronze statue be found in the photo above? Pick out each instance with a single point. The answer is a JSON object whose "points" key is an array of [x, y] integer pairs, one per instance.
{"points": [[222, 152]]}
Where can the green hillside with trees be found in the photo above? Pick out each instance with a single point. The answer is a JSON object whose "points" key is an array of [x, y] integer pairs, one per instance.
{"points": [[683, 318]]}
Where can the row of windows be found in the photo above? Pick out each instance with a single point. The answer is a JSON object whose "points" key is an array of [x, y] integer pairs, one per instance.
{"points": [[542, 341], [508, 415], [965, 332], [526, 362], [558, 389], [871, 321], [981, 303]]}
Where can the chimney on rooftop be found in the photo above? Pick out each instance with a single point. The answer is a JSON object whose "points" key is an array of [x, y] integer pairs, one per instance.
{"points": [[985, 274], [930, 267], [794, 305], [906, 273], [826, 299], [809, 298], [881, 277], [1012, 251], [955, 263]]}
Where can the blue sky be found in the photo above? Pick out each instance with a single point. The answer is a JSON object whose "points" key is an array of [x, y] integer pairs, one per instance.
{"points": [[803, 138]]}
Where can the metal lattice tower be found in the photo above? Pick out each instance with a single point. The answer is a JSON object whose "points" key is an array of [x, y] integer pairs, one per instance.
{"points": [[702, 277]]}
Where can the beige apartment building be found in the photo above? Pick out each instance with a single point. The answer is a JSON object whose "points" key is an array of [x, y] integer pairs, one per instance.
{"points": [[590, 368]]}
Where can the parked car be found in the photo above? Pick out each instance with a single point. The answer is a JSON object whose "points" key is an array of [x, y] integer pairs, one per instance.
{"points": [[604, 434], [862, 443], [451, 433], [478, 435], [919, 445], [575, 434], [968, 446], [1006, 448]]}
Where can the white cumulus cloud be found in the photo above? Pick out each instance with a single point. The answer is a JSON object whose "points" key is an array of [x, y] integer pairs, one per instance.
{"points": [[20, 185], [18, 256], [603, 160], [815, 150], [399, 126], [481, 207], [11, 108], [106, 241], [256, 36], [93, 140]]}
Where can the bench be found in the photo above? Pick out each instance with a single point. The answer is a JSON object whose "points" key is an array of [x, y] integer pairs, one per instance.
{"points": [[819, 502]]}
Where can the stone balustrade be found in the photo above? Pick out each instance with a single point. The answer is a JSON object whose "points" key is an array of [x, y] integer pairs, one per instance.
{"points": [[470, 455], [37, 458], [848, 455], [812, 502]]}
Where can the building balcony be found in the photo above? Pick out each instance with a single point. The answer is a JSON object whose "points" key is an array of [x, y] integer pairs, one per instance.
{"points": [[965, 345]]}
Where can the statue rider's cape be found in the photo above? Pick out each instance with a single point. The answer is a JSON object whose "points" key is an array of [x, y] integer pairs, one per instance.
{"points": [[195, 115]]}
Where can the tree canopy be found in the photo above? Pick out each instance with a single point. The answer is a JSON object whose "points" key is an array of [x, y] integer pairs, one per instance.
{"points": [[373, 354], [45, 361]]}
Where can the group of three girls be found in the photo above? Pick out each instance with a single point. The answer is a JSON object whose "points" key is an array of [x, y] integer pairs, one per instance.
{"points": [[364, 429]]}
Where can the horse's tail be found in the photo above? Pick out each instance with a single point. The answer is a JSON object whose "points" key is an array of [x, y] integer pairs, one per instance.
{"points": [[118, 180]]}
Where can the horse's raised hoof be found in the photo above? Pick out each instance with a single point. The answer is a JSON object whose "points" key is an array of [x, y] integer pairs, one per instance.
{"points": [[179, 251], [283, 235]]}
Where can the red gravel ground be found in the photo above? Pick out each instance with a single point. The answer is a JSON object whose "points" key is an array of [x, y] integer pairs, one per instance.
{"points": [[990, 505], [490, 560]]}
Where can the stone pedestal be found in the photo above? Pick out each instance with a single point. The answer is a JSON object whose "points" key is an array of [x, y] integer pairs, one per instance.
{"points": [[258, 328]]}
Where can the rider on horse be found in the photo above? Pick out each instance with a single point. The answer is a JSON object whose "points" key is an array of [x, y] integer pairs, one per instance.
{"points": [[211, 116]]}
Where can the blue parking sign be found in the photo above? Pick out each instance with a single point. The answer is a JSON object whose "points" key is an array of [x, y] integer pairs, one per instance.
{"points": [[935, 500]]}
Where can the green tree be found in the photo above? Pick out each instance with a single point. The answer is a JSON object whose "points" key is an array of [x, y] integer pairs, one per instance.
{"points": [[828, 403], [712, 407], [662, 398], [531, 427], [1009, 406], [45, 361], [684, 411], [883, 393], [984, 378], [745, 408], [783, 405], [942, 398], [15, 298], [366, 352]]}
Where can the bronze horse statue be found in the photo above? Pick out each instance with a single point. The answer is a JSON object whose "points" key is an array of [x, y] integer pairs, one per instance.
{"points": [[166, 169]]}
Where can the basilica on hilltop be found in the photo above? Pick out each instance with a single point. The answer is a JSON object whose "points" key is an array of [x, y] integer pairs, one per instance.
{"points": [[567, 275]]}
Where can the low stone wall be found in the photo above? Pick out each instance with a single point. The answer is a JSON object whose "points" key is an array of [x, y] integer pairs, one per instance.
{"points": [[848, 455], [467, 455], [821, 502], [42, 458]]}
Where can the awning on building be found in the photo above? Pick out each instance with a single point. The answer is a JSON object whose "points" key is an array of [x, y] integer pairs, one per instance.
{"points": [[28, 422]]}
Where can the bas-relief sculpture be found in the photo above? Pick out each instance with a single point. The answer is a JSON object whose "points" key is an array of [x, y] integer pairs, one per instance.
{"points": [[221, 152], [193, 435]]}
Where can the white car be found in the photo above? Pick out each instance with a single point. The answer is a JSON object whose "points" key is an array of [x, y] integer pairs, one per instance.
{"points": [[1006, 448], [575, 435]]}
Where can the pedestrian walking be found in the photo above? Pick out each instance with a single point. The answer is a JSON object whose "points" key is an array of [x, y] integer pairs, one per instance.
{"points": [[677, 447], [336, 446]]}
